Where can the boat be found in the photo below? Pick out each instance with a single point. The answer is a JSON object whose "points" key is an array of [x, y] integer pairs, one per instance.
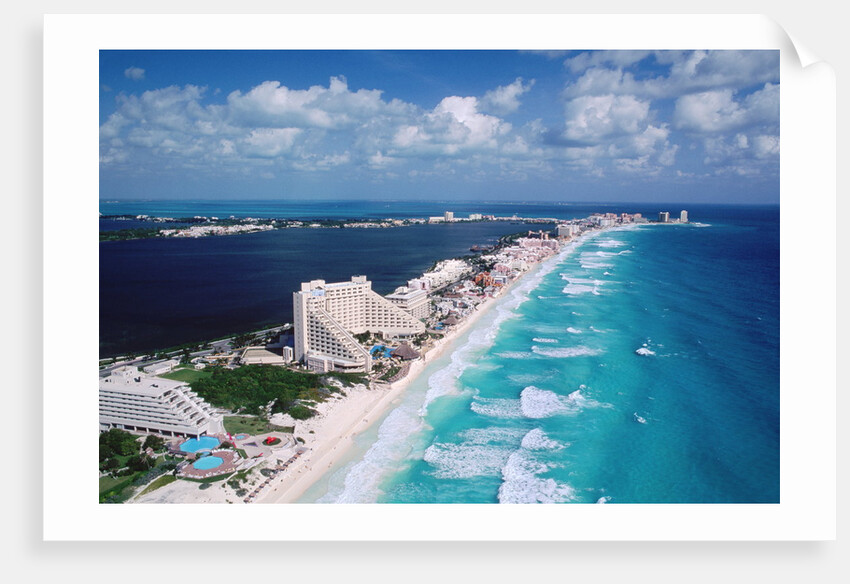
{"points": [[639, 419]]}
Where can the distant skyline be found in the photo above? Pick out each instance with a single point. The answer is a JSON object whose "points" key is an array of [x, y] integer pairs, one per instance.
{"points": [[686, 126]]}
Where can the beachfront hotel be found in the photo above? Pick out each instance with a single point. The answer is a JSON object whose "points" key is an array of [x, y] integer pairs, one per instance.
{"points": [[326, 316], [413, 301], [133, 401]]}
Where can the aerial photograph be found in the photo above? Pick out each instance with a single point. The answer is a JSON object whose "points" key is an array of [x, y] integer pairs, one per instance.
{"points": [[439, 276]]}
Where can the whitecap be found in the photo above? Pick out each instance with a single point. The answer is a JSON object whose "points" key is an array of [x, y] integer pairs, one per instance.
{"points": [[645, 352], [561, 352], [496, 407], [520, 483], [536, 439], [544, 340], [574, 331], [463, 461]]}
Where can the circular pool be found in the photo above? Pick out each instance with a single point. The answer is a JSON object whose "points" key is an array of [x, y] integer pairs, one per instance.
{"points": [[241, 436], [208, 462], [202, 443]]}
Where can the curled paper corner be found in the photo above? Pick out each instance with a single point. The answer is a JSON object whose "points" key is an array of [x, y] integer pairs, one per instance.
{"points": [[805, 56]]}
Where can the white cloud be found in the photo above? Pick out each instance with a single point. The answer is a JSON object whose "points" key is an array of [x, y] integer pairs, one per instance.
{"points": [[718, 111], [505, 99], [617, 58], [765, 146], [134, 73], [270, 142], [592, 118]]}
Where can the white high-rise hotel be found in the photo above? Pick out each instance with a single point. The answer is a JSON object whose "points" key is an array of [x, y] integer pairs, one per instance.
{"points": [[327, 315]]}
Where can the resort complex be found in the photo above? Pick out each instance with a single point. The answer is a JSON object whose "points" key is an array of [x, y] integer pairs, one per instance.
{"points": [[348, 354]]}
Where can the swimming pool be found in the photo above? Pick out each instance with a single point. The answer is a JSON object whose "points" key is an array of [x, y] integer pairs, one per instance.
{"points": [[208, 462], [202, 443], [241, 436]]}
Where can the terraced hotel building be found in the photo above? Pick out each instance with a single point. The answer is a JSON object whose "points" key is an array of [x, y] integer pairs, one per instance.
{"points": [[326, 316]]}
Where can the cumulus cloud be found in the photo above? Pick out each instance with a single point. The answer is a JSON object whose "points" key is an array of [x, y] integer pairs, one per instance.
{"points": [[592, 118], [685, 72], [505, 99], [134, 73], [613, 116], [718, 111]]}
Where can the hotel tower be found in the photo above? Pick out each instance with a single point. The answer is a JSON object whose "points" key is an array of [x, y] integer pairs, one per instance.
{"points": [[326, 316]]}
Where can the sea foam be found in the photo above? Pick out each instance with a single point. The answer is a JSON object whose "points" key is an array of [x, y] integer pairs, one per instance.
{"points": [[559, 352], [521, 483]]}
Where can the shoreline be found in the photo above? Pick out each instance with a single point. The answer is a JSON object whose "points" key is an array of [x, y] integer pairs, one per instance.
{"points": [[339, 439], [335, 431]]}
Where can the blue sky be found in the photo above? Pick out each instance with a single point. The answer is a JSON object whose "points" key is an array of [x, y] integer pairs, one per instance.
{"points": [[689, 126]]}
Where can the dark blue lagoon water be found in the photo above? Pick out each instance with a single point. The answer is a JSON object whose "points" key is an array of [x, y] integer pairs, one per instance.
{"points": [[639, 366], [157, 293]]}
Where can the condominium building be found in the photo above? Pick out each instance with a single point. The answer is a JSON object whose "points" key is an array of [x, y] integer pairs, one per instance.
{"points": [[411, 300], [664, 217], [133, 401], [683, 217], [328, 315], [449, 216]]}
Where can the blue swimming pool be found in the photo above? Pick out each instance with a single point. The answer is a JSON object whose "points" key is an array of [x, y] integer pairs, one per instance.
{"points": [[208, 462], [202, 443]]}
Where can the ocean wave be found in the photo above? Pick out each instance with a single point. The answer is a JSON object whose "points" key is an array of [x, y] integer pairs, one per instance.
{"points": [[496, 407], [493, 434], [513, 355], [536, 439], [574, 331], [576, 289], [565, 351], [521, 483], [610, 243], [362, 480], [645, 352], [603, 500], [464, 461], [595, 265], [544, 340]]}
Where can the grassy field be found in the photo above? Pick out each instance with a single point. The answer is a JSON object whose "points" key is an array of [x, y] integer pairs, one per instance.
{"points": [[252, 425], [186, 374], [160, 482]]}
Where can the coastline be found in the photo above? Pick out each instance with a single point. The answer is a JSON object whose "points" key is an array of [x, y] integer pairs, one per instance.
{"points": [[337, 424], [334, 429]]}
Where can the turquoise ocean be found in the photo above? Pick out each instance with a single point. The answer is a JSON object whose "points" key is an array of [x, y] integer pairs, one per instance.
{"points": [[640, 365]]}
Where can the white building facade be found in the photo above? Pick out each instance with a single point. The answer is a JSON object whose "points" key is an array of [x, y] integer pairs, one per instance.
{"points": [[413, 301], [328, 315], [133, 401]]}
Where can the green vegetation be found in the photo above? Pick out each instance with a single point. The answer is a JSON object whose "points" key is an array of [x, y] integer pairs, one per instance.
{"points": [[122, 234], [119, 489], [347, 379], [116, 447], [157, 443], [187, 375], [252, 425], [251, 389], [160, 482]]}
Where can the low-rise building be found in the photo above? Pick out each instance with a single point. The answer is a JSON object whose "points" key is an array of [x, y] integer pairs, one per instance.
{"points": [[161, 367]]}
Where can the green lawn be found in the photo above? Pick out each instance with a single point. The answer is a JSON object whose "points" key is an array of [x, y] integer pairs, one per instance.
{"points": [[186, 374], [160, 482], [251, 425]]}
